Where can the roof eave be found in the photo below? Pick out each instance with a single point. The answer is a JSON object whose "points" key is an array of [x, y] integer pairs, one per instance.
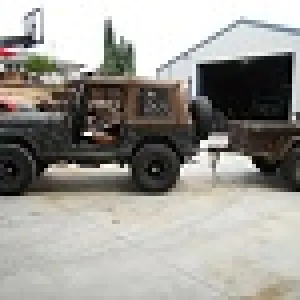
{"points": [[242, 21], [185, 54]]}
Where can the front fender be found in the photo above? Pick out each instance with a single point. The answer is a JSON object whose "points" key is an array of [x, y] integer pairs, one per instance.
{"points": [[27, 142], [179, 139]]}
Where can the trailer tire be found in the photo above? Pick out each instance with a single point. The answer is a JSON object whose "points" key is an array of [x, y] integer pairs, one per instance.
{"points": [[290, 168], [17, 169], [155, 168], [264, 166]]}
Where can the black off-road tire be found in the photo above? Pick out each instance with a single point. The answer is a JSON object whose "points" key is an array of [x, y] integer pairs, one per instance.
{"points": [[206, 119], [17, 170], [264, 166], [290, 169], [160, 180]]}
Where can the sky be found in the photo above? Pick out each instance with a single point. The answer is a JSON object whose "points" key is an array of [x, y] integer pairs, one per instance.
{"points": [[159, 29]]}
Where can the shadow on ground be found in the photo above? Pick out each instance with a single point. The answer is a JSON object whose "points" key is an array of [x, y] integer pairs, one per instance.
{"points": [[120, 182], [81, 183], [253, 179]]}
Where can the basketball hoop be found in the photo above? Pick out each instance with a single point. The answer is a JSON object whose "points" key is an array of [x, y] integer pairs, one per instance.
{"points": [[33, 32]]}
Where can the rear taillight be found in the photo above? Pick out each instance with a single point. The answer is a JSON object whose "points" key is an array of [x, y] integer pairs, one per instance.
{"points": [[8, 106], [11, 107]]}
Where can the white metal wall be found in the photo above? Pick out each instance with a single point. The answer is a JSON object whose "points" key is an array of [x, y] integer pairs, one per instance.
{"points": [[241, 42]]}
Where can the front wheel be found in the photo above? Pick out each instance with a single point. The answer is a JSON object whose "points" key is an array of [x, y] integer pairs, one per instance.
{"points": [[17, 169], [155, 168]]}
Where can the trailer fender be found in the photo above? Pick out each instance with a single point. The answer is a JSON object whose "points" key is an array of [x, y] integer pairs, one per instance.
{"points": [[291, 143]]}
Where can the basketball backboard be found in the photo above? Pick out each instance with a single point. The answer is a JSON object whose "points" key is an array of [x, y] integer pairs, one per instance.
{"points": [[34, 25], [33, 32]]}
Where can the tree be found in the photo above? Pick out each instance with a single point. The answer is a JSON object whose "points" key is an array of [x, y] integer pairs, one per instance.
{"points": [[126, 57], [38, 64], [130, 59], [109, 66], [109, 35], [119, 58]]}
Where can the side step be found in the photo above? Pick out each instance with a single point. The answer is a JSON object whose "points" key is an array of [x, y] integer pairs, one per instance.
{"points": [[92, 153]]}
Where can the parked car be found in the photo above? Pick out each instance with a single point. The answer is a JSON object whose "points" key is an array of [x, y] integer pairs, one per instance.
{"points": [[10, 105], [25, 107]]}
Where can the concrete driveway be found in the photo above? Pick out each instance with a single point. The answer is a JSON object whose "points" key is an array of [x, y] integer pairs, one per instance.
{"points": [[84, 234]]}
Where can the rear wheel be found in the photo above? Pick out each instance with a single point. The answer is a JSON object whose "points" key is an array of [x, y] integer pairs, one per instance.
{"points": [[17, 170], [155, 168]]}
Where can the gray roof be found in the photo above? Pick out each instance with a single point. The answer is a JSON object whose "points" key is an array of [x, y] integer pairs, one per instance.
{"points": [[230, 27], [69, 66]]}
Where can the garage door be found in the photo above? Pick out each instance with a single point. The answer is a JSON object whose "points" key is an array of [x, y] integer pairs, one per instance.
{"points": [[259, 88]]}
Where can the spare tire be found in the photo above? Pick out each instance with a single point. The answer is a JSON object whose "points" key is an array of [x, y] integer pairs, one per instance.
{"points": [[207, 119], [290, 168]]}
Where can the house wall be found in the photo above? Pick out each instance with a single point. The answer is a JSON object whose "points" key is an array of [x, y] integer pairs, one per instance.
{"points": [[241, 42]]}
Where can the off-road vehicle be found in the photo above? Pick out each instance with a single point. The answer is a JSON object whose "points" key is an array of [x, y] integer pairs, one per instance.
{"points": [[144, 123]]}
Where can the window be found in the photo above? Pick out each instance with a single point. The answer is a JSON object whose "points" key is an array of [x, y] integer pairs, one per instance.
{"points": [[153, 102], [105, 106], [107, 98]]}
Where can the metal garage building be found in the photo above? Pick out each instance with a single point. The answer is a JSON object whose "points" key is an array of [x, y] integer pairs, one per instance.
{"points": [[247, 62]]}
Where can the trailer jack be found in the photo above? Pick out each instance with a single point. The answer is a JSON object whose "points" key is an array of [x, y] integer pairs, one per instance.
{"points": [[215, 155]]}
